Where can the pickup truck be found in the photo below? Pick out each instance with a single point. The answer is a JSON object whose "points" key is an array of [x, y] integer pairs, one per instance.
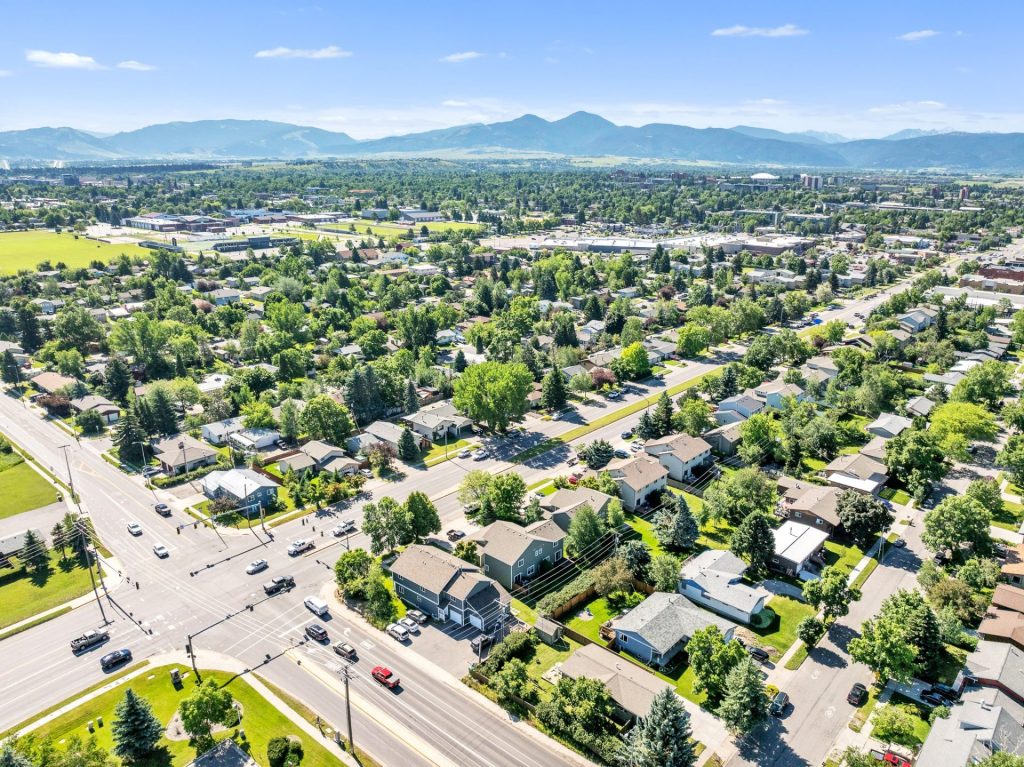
{"points": [[279, 583], [89, 639]]}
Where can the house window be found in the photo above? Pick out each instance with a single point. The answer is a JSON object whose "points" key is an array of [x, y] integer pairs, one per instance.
{"points": [[798, 515], [558, 555], [622, 639], [530, 570], [487, 568], [817, 521], [520, 563], [399, 589], [538, 553]]}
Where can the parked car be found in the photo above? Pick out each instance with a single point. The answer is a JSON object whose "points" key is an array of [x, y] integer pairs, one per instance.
{"points": [[258, 566], [316, 632], [399, 632], [345, 650], [162, 509], [858, 693], [613, 394], [344, 528], [481, 454], [947, 692], [135, 528], [465, 453], [297, 547], [627, 434], [758, 654], [933, 699], [572, 460], [385, 676], [480, 643], [161, 551], [455, 535], [150, 471], [278, 584], [366, 473], [281, 445], [620, 453], [636, 447], [418, 616], [115, 659], [899, 543], [410, 625], [779, 704], [89, 639]]}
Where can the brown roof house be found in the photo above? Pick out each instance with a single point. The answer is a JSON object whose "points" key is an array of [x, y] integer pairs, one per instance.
{"points": [[637, 478], [857, 472], [561, 506], [632, 688], [681, 454], [512, 554], [811, 504]]}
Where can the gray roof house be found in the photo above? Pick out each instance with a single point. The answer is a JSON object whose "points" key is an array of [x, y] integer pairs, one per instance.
{"points": [[448, 589], [181, 452], [857, 472], [561, 506], [726, 438], [637, 478], [109, 412], [632, 688], [998, 665], [217, 433], [889, 425], [714, 579], [971, 733], [435, 420], [378, 432], [245, 487], [513, 555], [659, 627], [919, 406], [743, 404]]}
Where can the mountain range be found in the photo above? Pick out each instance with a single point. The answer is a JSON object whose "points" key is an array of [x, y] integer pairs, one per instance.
{"points": [[580, 134]]}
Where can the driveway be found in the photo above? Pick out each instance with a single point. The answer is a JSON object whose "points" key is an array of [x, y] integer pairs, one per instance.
{"points": [[447, 646]]}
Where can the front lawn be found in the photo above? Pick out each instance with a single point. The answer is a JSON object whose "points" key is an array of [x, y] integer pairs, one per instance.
{"points": [[780, 632], [921, 726], [843, 558], [436, 453], [24, 594], [22, 487], [1009, 518], [897, 496], [260, 720]]}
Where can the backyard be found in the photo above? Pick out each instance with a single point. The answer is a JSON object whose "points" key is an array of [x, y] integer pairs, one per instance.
{"points": [[25, 250], [260, 720]]}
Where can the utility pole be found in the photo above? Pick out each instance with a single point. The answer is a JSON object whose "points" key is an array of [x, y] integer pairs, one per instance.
{"points": [[346, 674], [71, 481], [82, 529], [149, 482], [192, 656]]}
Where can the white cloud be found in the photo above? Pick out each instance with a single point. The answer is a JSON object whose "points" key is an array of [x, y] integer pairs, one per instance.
{"points": [[454, 104], [458, 58], [786, 30], [919, 34], [330, 52], [136, 66], [62, 60], [907, 107], [5, 73]]}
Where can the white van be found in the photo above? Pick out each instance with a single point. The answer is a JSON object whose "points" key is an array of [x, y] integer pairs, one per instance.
{"points": [[316, 605]]}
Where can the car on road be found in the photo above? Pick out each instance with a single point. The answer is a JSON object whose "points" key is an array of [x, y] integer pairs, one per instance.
{"points": [[162, 509], [410, 625], [344, 528], [89, 639], [297, 547], [620, 453], [161, 551], [465, 453], [779, 704], [115, 659], [455, 535], [398, 632], [899, 543], [257, 566], [758, 654], [278, 584], [385, 676], [316, 632], [627, 434], [134, 528], [345, 650], [418, 616], [481, 454], [572, 460], [857, 695]]}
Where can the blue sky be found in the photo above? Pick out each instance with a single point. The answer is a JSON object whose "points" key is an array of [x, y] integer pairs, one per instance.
{"points": [[862, 69]]}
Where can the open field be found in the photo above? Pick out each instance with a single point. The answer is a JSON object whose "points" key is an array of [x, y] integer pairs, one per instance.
{"points": [[25, 250], [387, 229], [22, 487], [24, 594]]}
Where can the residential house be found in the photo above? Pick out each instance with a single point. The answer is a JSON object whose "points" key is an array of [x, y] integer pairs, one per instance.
{"points": [[973, 731], [251, 440], [51, 383], [435, 421], [225, 296], [857, 472], [744, 404], [631, 687], [379, 432], [796, 546], [811, 504], [316, 456], [48, 305], [249, 490], [725, 439], [1012, 570], [995, 665], [213, 382], [16, 351], [217, 433], [889, 425], [513, 555], [714, 579], [447, 588], [663, 350], [776, 393], [917, 320], [182, 453], [681, 454], [659, 627], [875, 448], [561, 506], [919, 406], [108, 411], [637, 478], [820, 368], [1004, 620]]}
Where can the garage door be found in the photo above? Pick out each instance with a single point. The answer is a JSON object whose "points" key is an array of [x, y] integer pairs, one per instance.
{"points": [[476, 620]]}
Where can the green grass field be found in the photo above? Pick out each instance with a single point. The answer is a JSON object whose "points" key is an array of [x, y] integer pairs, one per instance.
{"points": [[260, 720], [25, 250], [781, 632], [23, 595], [23, 489], [387, 229]]}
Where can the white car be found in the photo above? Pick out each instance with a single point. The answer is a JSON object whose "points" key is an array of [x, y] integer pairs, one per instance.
{"points": [[481, 454], [135, 528], [410, 625], [396, 631], [465, 453], [256, 567], [299, 546], [161, 551], [344, 528]]}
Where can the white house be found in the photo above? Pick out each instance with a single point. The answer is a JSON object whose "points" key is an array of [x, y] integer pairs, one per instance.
{"points": [[637, 478], [681, 454], [254, 439], [714, 579], [795, 546], [217, 433]]}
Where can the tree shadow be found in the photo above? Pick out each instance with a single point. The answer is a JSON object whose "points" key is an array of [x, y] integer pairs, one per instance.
{"points": [[766, 748], [160, 757]]}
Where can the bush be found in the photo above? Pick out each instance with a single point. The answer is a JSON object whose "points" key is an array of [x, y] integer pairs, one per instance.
{"points": [[199, 473], [624, 600], [810, 630], [518, 644], [277, 751], [555, 599]]}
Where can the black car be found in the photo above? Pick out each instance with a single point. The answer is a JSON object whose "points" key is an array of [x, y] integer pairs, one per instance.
{"points": [[480, 643], [779, 705], [758, 654], [316, 632], [934, 699], [115, 659], [946, 692], [277, 584], [857, 694]]}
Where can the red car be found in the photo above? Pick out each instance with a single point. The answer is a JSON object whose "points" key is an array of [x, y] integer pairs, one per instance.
{"points": [[383, 675]]}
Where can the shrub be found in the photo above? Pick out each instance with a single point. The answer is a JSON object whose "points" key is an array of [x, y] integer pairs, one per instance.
{"points": [[277, 751], [518, 644], [555, 599]]}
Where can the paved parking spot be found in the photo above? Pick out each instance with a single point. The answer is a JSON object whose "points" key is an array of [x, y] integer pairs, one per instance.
{"points": [[447, 647]]}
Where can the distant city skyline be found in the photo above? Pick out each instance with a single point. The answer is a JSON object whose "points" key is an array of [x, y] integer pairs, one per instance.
{"points": [[864, 70]]}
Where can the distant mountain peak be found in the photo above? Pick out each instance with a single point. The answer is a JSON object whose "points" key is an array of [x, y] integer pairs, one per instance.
{"points": [[916, 133]]}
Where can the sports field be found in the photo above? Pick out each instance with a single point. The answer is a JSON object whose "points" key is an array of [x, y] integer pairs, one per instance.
{"points": [[393, 230], [26, 250]]}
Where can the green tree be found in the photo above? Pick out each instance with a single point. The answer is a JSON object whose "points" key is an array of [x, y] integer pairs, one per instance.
{"points": [[632, 364], [662, 738], [585, 529], [258, 415], [597, 454], [34, 554], [507, 492], [1012, 457], [760, 435], [693, 340], [739, 494], [663, 572], [663, 415], [208, 704], [955, 424], [894, 722], [408, 450], [474, 487], [830, 593], [612, 575], [422, 515], [350, 572], [553, 394], [11, 758], [958, 520], [326, 420], [467, 552], [412, 399], [863, 516], [693, 417], [493, 393], [676, 529], [809, 630], [387, 524], [513, 681], [379, 605], [135, 730], [754, 540], [882, 648], [90, 421], [915, 456], [581, 383], [161, 408], [289, 420], [636, 557], [985, 384], [745, 705], [712, 658], [10, 370]]}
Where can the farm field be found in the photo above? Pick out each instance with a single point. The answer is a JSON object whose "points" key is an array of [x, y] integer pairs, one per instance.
{"points": [[25, 250]]}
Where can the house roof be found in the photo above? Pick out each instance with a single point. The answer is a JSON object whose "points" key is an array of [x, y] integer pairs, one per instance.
{"points": [[860, 466], [919, 406], [633, 688], [298, 462], [875, 448], [819, 500], [1008, 597], [508, 542], [430, 568], [891, 423], [241, 483], [795, 542], [222, 428], [719, 574], [682, 446], [1014, 564], [318, 450], [663, 619], [94, 402], [637, 472], [997, 661], [1004, 625], [385, 430], [964, 737], [744, 401], [567, 499], [51, 382], [171, 454]]}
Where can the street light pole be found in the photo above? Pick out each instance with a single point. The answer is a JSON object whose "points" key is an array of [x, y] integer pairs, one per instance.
{"points": [[345, 674], [149, 482], [67, 464]]}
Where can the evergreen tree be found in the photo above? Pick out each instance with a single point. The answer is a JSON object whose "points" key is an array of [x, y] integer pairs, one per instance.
{"points": [[117, 379], [663, 415], [129, 438], [663, 737], [28, 328], [289, 420], [11, 758], [412, 400], [755, 541], [58, 539], [727, 384], [408, 450], [9, 372], [647, 427], [745, 705], [553, 393], [165, 419], [34, 553], [135, 729], [460, 361], [676, 529]]}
